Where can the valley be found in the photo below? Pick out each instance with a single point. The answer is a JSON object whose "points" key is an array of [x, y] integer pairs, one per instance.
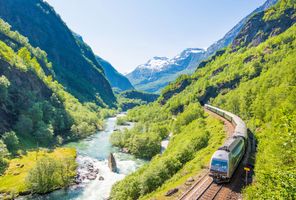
{"points": [[72, 126]]}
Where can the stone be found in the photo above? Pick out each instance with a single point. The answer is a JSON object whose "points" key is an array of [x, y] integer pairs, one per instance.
{"points": [[112, 163], [124, 150], [190, 179], [96, 171], [171, 192], [91, 176]]}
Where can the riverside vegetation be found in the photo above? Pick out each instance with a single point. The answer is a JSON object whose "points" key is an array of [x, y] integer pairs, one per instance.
{"points": [[253, 78]]}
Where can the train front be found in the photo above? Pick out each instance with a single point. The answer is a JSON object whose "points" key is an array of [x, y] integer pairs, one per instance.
{"points": [[219, 167]]}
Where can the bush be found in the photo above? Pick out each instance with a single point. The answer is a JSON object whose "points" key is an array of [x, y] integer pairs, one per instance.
{"points": [[11, 141], [3, 155], [50, 174], [4, 85]]}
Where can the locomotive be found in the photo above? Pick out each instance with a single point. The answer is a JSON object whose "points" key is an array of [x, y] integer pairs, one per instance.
{"points": [[227, 158]]}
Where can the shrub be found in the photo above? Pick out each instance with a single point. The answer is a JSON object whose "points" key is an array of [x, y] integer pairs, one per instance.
{"points": [[11, 141]]}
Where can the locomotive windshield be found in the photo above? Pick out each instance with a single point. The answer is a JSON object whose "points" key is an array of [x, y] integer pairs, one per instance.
{"points": [[219, 165]]}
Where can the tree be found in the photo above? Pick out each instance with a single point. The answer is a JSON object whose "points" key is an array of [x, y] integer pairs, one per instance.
{"points": [[11, 141], [3, 154], [42, 178], [50, 173], [24, 125], [4, 85], [36, 112], [66, 171], [44, 132]]}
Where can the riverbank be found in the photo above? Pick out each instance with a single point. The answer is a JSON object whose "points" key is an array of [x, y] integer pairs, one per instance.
{"points": [[92, 155], [14, 181]]}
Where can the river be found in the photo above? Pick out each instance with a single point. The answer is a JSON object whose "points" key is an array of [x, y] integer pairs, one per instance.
{"points": [[96, 149]]}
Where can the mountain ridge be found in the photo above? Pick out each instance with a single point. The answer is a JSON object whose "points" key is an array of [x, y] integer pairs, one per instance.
{"points": [[150, 82]]}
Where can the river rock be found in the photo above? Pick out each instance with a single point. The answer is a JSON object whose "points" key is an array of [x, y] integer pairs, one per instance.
{"points": [[124, 150], [171, 192], [112, 163], [96, 171], [91, 176]]}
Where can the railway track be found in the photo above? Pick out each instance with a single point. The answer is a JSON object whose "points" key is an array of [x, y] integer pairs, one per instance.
{"points": [[203, 189]]}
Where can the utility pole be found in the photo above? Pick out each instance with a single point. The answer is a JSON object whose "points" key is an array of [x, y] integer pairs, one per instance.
{"points": [[37, 151], [247, 169]]}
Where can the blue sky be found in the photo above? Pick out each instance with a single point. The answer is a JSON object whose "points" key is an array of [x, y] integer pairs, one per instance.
{"points": [[128, 33]]}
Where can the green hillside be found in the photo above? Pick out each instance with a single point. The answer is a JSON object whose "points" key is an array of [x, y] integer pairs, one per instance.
{"points": [[32, 103], [73, 62], [254, 79]]}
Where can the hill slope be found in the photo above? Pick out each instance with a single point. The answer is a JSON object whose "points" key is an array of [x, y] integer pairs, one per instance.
{"points": [[257, 82], [74, 65], [116, 79], [33, 104]]}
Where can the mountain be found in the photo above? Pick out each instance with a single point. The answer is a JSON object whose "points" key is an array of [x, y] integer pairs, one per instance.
{"points": [[116, 79], [131, 98], [254, 78], [229, 37], [33, 104], [159, 71], [74, 63], [154, 80]]}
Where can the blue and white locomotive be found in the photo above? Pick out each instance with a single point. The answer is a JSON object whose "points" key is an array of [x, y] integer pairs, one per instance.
{"points": [[227, 158]]}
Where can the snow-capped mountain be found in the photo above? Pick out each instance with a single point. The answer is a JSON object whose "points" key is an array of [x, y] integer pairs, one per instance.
{"points": [[158, 68], [155, 64], [159, 71]]}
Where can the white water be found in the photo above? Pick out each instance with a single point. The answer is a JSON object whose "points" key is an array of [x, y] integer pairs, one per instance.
{"points": [[165, 143]]}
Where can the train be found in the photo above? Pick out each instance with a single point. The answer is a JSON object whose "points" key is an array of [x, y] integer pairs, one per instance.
{"points": [[227, 158]]}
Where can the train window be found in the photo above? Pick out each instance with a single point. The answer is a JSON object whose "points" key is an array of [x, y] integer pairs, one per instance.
{"points": [[219, 165]]}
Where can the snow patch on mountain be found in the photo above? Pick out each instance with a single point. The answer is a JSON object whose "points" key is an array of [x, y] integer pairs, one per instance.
{"points": [[157, 64]]}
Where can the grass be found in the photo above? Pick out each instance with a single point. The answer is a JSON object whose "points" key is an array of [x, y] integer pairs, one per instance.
{"points": [[14, 179], [194, 167]]}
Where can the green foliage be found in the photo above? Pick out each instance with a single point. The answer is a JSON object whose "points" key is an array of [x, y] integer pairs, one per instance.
{"points": [[121, 121], [181, 150], [275, 12], [192, 112], [42, 111], [132, 98], [3, 155], [24, 125], [50, 174], [62, 163], [11, 141], [4, 85]]}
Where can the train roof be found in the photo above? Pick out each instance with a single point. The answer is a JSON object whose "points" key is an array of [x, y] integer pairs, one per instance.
{"points": [[240, 126], [230, 144], [221, 155]]}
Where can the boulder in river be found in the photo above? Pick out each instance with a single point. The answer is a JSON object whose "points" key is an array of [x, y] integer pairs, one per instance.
{"points": [[124, 150], [91, 176], [112, 163]]}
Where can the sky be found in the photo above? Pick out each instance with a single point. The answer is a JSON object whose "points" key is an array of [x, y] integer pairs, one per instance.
{"points": [[128, 33]]}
